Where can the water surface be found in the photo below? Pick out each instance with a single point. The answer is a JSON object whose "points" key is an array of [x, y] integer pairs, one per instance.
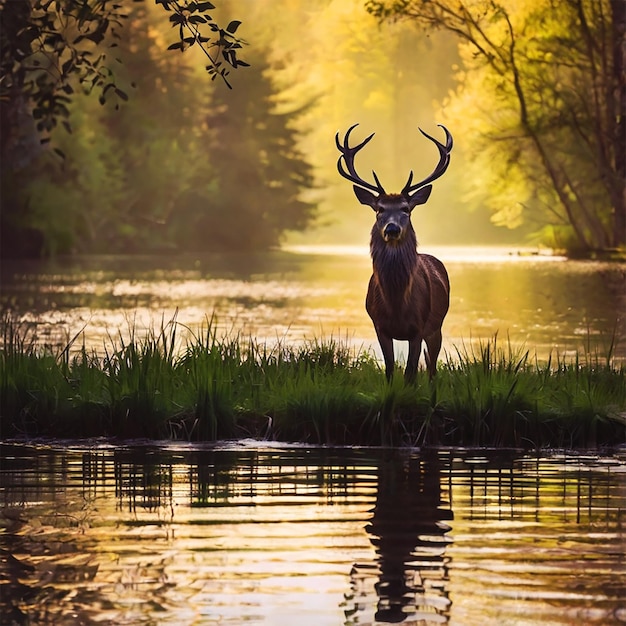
{"points": [[273, 535], [541, 303]]}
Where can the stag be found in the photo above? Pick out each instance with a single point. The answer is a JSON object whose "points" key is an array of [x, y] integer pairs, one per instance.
{"points": [[409, 292]]}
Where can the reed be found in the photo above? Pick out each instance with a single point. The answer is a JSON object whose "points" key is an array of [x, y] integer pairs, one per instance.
{"points": [[175, 384]]}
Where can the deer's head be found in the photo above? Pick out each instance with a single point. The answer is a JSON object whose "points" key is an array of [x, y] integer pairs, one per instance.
{"points": [[393, 210]]}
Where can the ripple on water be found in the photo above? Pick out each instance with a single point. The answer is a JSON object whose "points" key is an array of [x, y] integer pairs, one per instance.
{"points": [[263, 534]]}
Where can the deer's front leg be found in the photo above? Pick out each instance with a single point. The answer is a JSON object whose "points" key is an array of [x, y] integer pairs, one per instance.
{"points": [[433, 346], [386, 345], [415, 349]]}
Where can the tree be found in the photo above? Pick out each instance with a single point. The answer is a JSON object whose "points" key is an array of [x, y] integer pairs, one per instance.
{"points": [[259, 172], [123, 167], [51, 55], [544, 82], [179, 166]]}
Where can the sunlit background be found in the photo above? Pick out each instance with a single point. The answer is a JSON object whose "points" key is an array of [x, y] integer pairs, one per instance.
{"points": [[234, 193], [187, 164]]}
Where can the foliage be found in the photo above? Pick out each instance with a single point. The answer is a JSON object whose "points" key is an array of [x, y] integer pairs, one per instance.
{"points": [[146, 177], [196, 27], [259, 170], [211, 387], [45, 45], [49, 47], [543, 83]]}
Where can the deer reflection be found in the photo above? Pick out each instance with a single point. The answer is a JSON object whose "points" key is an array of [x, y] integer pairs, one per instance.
{"points": [[408, 530]]}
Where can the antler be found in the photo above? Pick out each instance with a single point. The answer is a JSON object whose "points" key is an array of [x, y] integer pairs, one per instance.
{"points": [[348, 154], [442, 166]]}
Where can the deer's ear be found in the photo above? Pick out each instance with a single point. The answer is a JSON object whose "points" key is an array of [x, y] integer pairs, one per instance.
{"points": [[420, 196], [364, 196]]}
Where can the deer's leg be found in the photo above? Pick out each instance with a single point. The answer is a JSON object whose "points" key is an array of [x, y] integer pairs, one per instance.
{"points": [[386, 345], [433, 346], [415, 349]]}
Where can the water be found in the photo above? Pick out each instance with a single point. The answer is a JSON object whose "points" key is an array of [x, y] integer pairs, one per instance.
{"points": [[280, 535], [544, 304]]}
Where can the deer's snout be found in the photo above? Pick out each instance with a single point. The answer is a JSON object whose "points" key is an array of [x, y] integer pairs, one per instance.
{"points": [[392, 231]]}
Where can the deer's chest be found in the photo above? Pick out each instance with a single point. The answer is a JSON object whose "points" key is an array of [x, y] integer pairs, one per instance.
{"points": [[398, 312]]}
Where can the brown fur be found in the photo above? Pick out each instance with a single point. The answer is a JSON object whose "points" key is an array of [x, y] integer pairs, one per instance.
{"points": [[407, 299]]}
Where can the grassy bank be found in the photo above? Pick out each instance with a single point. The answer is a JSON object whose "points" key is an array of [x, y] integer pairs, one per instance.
{"points": [[205, 387]]}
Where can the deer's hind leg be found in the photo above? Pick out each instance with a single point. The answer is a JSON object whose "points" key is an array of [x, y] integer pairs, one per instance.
{"points": [[433, 346]]}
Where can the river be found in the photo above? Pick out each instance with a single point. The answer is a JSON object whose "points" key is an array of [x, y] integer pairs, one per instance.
{"points": [[276, 535], [261, 533], [536, 302]]}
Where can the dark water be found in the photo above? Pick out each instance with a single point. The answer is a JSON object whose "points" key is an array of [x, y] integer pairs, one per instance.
{"points": [[275, 535], [546, 305]]}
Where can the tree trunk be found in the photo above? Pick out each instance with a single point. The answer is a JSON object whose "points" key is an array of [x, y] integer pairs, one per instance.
{"points": [[618, 10]]}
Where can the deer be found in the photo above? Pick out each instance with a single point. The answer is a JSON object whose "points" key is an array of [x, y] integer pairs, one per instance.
{"points": [[409, 292]]}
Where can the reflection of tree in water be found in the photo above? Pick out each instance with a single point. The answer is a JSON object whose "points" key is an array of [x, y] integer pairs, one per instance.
{"points": [[409, 534]]}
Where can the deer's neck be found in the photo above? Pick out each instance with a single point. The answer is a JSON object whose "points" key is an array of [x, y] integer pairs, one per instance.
{"points": [[394, 264]]}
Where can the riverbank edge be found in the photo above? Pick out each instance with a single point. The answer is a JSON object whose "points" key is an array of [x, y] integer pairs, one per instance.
{"points": [[209, 388]]}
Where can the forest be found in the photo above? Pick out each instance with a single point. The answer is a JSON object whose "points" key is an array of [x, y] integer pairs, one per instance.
{"points": [[168, 127]]}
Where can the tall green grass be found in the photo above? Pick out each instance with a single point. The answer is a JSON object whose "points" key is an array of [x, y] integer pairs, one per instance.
{"points": [[175, 384]]}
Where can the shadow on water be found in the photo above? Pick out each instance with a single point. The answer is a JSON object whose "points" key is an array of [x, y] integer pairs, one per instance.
{"points": [[261, 535]]}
